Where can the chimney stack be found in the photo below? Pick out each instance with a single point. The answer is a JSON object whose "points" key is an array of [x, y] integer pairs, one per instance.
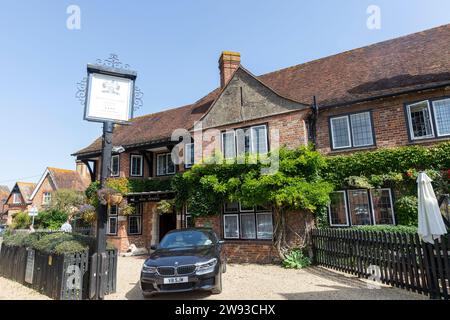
{"points": [[228, 64]]}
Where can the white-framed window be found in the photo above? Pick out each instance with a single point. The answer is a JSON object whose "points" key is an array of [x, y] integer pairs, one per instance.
{"points": [[229, 144], [46, 198], [136, 165], [164, 165], [419, 120], [361, 207], [135, 220], [231, 226], [115, 165], [243, 141], [112, 224], [247, 223], [188, 218], [352, 131], [441, 110], [16, 198], [382, 206], [338, 209], [189, 155]]}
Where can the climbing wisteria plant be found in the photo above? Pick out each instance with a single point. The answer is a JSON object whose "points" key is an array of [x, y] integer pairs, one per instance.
{"points": [[296, 186]]}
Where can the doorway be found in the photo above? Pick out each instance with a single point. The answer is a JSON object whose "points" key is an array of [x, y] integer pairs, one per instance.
{"points": [[167, 222]]}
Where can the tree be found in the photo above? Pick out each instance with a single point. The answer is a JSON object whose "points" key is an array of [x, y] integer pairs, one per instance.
{"points": [[297, 185], [67, 201]]}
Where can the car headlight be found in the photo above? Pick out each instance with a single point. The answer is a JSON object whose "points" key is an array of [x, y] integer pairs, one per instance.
{"points": [[148, 269], [206, 267]]}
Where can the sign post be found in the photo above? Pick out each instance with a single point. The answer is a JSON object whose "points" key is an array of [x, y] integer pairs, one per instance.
{"points": [[109, 99], [33, 212]]}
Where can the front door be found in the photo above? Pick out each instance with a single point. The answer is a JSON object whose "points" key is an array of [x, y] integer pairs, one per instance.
{"points": [[167, 222]]}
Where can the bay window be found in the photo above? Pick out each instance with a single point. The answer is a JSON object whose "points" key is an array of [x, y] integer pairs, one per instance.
{"points": [[338, 209], [246, 222], [352, 131]]}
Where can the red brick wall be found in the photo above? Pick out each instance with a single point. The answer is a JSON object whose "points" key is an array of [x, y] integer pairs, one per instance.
{"points": [[253, 251], [390, 124], [46, 186]]}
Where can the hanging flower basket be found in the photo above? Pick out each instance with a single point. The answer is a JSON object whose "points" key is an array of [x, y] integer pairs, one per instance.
{"points": [[108, 196]]}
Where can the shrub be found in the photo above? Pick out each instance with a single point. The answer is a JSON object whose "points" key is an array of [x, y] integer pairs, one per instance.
{"points": [[386, 228], [51, 219], [71, 246], [21, 220], [295, 259], [406, 211]]}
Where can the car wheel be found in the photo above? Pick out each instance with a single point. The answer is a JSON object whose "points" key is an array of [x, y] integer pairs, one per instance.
{"points": [[218, 288]]}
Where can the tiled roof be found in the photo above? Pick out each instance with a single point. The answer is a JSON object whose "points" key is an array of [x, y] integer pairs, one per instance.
{"points": [[4, 192], [389, 67], [67, 179], [26, 189]]}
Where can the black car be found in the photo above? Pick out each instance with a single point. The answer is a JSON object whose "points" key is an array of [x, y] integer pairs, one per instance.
{"points": [[185, 260]]}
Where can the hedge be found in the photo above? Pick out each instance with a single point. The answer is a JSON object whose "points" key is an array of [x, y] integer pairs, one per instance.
{"points": [[58, 242]]}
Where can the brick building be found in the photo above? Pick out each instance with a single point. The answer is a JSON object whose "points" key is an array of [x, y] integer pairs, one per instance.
{"points": [[387, 94], [4, 193], [18, 199], [55, 178]]}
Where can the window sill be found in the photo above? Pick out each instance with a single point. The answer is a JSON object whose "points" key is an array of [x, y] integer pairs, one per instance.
{"points": [[249, 241], [336, 151], [429, 140]]}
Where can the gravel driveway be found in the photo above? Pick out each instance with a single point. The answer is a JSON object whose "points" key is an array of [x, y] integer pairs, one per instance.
{"points": [[267, 282]]}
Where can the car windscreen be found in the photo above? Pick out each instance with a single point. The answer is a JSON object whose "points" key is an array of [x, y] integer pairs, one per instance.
{"points": [[186, 239]]}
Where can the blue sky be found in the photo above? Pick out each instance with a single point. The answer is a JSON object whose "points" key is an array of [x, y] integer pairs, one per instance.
{"points": [[173, 45]]}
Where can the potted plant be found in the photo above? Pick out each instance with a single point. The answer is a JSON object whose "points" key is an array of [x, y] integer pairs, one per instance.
{"points": [[109, 196]]}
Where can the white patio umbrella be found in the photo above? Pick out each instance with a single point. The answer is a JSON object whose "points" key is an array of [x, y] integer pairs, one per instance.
{"points": [[431, 224]]}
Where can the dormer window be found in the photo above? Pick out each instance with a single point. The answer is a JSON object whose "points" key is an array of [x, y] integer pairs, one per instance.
{"points": [[16, 198]]}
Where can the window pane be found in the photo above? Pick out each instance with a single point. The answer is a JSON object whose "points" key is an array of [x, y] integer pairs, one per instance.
{"points": [[115, 165], [136, 165], [420, 120], [189, 222], [361, 129], [248, 226], [442, 114], [338, 209], [264, 225], [189, 155], [259, 140], [359, 207], [161, 164], [382, 206], [230, 226], [112, 225], [340, 132], [246, 208], [243, 141], [170, 165], [229, 148], [113, 210], [231, 207]]}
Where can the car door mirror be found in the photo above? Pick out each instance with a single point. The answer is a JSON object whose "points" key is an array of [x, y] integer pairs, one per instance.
{"points": [[153, 247]]}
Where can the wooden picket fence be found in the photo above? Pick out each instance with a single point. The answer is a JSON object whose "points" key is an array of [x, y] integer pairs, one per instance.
{"points": [[398, 259]]}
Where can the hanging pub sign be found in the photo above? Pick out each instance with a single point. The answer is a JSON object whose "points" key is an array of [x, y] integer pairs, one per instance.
{"points": [[109, 94]]}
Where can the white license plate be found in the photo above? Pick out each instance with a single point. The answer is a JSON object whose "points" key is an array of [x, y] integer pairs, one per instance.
{"points": [[175, 280]]}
